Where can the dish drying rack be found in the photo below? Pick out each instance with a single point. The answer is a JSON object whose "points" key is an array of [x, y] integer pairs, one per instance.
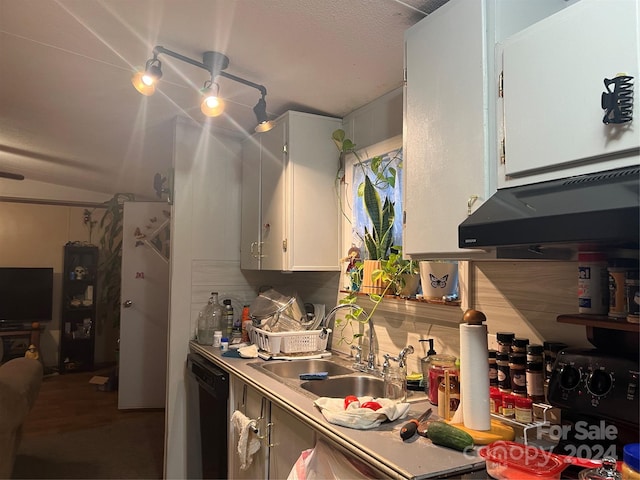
{"points": [[290, 344]]}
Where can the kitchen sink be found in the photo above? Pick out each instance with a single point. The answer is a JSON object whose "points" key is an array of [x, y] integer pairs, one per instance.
{"points": [[358, 385], [293, 369]]}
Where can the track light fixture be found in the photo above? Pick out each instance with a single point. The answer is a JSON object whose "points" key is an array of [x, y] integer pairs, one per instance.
{"points": [[213, 62], [211, 105]]}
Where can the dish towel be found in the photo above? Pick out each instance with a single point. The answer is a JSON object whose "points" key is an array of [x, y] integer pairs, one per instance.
{"points": [[360, 418], [248, 441]]}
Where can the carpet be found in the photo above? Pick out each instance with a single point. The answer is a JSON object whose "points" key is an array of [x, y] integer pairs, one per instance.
{"points": [[127, 448]]}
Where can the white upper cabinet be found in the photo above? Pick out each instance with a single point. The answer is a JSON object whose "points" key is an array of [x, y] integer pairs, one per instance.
{"points": [[554, 74], [290, 209], [449, 132]]}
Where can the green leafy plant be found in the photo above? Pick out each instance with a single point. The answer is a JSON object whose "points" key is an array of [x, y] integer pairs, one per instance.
{"points": [[391, 273], [110, 264], [378, 240]]}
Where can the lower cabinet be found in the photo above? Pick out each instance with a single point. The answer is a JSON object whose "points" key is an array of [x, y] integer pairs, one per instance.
{"points": [[282, 436]]}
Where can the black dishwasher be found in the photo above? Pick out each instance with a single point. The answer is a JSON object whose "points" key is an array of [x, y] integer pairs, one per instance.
{"points": [[207, 418]]}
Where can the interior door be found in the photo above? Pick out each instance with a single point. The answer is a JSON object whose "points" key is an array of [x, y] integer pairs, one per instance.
{"points": [[144, 309]]}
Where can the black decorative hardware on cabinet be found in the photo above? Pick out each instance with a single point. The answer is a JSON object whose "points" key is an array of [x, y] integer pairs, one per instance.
{"points": [[617, 101]]}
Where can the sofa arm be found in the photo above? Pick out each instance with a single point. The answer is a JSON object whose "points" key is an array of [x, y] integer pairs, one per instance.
{"points": [[20, 381]]}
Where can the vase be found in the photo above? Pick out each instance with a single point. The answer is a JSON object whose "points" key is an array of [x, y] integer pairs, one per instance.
{"points": [[411, 284], [369, 285], [439, 279]]}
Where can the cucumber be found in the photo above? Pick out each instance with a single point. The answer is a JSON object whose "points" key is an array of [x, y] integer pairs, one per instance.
{"points": [[443, 434]]}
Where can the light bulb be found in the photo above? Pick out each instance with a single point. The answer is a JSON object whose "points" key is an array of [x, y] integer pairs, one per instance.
{"points": [[143, 83], [211, 105]]}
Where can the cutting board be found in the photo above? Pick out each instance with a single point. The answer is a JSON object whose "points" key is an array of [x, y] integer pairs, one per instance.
{"points": [[499, 431]]}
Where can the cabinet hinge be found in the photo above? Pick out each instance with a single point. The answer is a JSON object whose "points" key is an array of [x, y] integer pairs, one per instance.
{"points": [[503, 154], [284, 245], [285, 148], [404, 76], [501, 85]]}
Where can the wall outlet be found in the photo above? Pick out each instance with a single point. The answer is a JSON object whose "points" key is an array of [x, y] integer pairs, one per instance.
{"points": [[492, 341]]}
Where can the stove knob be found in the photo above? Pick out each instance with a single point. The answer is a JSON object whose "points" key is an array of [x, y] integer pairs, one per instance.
{"points": [[570, 377], [599, 383]]}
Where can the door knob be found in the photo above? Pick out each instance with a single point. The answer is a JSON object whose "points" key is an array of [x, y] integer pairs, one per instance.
{"points": [[127, 304]]}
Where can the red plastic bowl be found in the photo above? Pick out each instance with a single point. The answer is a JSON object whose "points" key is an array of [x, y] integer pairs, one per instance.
{"points": [[513, 461]]}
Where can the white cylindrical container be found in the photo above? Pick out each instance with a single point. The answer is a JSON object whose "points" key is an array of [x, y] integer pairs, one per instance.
{"points": [[593, 283], [474, 378], [217, 338]]}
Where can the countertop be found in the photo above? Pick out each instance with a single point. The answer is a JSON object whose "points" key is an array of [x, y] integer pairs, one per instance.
{"points": [[382, 447]]}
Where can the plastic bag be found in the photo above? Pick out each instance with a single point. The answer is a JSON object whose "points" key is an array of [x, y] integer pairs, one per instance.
{"points": [[324, 462]]}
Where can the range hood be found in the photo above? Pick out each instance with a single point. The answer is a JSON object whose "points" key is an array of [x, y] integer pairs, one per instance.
{"points": [[552, 219]]}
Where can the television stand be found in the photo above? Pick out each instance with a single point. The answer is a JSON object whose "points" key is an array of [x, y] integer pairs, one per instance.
{"points": [[33, 332]]}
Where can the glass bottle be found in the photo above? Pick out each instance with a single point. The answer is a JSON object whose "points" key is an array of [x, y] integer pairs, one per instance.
{"points": [[217, 313], [204, 334], [438, 365]]}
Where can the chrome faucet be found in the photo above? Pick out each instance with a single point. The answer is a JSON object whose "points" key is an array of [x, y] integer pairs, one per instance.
{"points": [[370, 366], [402, 356]]}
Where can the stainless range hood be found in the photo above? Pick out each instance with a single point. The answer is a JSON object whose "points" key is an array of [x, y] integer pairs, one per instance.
{"points": [[552, 219]]}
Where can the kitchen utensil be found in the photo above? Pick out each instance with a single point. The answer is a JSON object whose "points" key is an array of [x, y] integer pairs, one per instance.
{"points": [[410, 428]]}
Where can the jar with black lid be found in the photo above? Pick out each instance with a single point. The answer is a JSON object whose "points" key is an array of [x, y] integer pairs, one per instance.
{"points": [[517, 371], [535, 381], [493, 369], [519, 345], [534, 352], [504, 377], [505, 340]]}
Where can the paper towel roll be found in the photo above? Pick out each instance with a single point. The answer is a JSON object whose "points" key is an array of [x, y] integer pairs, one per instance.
{"points": [[474, 376]]}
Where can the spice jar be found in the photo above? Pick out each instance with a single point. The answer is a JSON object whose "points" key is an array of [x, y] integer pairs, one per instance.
{"points": [[535, 381], [523, 409], [508, 405], [504, 377], [495, 400], [534, 352], [493, 369], [438, 364], [517, 371], [504, 339], [448, 395], [632, 295], [519, 345]]}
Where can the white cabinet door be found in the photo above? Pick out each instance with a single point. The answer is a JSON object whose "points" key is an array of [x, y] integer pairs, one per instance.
{"points": [[272, 201], [248, 401], [290, 210], [289, 437], [449, 118], [445, 123], [250, 207], [554, 75]]}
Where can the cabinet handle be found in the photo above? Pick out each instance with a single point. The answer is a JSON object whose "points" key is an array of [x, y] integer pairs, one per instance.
{"points": [[470, 202], [127, 304]]}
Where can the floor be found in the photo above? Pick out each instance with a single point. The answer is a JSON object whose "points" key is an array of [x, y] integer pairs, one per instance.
{"points": [[69, 406]]}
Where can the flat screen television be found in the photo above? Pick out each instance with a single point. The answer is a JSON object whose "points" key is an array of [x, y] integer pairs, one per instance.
{"points": [[26, 294]]}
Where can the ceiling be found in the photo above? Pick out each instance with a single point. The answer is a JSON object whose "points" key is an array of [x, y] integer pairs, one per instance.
{"points": [[70, 116]]}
